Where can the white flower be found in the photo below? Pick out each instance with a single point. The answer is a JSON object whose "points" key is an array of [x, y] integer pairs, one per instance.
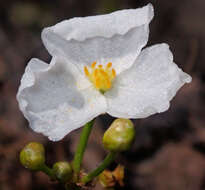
{"points": [[97, 66]]}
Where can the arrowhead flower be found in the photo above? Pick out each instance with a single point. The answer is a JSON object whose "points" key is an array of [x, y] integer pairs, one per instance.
{"points": [[98, 66]]}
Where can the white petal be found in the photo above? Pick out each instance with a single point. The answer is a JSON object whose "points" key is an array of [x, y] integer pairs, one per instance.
{"points": [[53, 101], [118, 22], [148, 86], [117, 37]]}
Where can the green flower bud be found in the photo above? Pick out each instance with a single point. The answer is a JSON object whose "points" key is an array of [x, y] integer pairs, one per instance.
{"points": [[62, 171], [32, 156], [119, 136]]}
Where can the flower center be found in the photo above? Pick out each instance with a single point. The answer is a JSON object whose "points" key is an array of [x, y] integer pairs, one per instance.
{"points": [[100, 76]]}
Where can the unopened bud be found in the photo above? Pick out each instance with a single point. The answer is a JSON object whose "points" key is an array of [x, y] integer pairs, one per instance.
{"points": [[32, 156], [62, 171], [119, 136]]}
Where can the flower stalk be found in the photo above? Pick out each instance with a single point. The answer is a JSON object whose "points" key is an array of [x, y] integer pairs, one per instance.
{"points": [[81, 146], [48, 171], [105, 163]]}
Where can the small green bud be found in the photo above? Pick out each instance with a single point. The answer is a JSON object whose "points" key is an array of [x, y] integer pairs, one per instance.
{"points": [[62, 171], [119, 136], [32, 156]]}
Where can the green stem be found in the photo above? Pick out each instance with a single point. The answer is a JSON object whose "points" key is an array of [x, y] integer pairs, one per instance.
{"points": [[81, 146], [48, 171], [106, 162]]}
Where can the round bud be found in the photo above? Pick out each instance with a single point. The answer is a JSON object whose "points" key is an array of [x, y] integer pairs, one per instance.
{"points": [[62, 171], [119, 136], [32, 156]]}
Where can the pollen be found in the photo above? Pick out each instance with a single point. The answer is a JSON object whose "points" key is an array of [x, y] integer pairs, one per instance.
{"points": [[101, 76]]}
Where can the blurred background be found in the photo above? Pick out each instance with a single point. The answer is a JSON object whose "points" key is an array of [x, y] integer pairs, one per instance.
{"points": [[169, 151]]}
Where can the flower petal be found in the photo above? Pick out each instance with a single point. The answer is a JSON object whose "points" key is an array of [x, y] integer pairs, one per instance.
{"points": [[53, 101], [118, 22], [148, 86], [117, 37]]}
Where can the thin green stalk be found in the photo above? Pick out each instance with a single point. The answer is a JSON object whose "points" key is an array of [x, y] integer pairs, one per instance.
{"points": [[48, 171], [81, 146], [106, 162]]}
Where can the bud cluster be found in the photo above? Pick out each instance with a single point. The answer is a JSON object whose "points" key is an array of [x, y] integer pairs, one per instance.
{"points": [[118, 137], [32, 157]]}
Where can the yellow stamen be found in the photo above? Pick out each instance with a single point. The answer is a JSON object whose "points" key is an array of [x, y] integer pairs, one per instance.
{"points": [[101, 77], [113, 73], [97, 83], [95, 73], [108, 84], [93, 64], [103, 73], [86, 71], [109, 65]]}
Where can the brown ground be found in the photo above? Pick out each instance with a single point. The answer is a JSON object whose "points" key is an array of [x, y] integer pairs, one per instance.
{"points": [[169, 152]]}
